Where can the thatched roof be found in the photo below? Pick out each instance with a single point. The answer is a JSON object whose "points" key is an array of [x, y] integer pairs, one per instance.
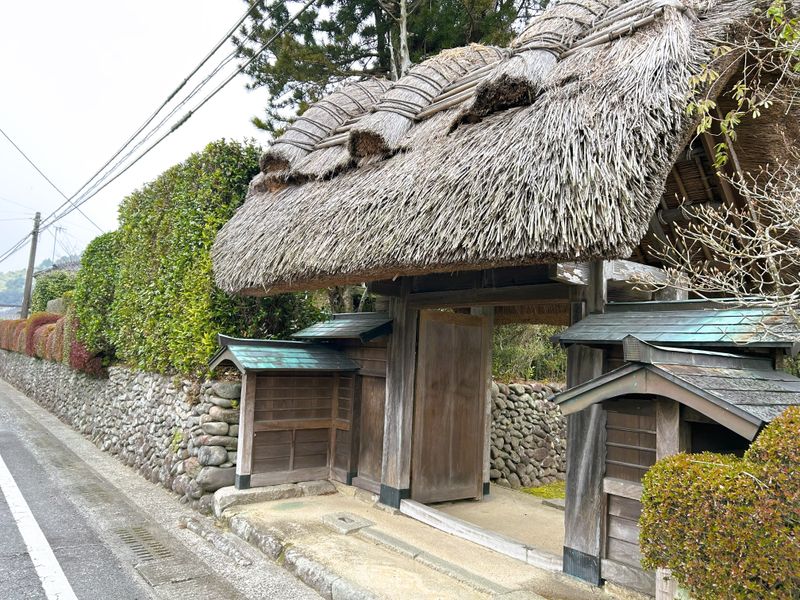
{"points": [[443, 176]]}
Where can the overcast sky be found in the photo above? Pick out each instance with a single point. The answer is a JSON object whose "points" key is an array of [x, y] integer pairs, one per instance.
{"points": [[78, 78]]}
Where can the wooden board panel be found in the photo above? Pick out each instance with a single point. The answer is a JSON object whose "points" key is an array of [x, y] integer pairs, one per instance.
{"points": [[447, 459], [371, 357], [624, 530], [624, 552], [629, 577], [630, 439], [624, 507], [272, 451], [370, 452]]}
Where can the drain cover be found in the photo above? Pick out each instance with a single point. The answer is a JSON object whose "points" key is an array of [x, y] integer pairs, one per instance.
{"points": [[143, 544], [345, 523]]}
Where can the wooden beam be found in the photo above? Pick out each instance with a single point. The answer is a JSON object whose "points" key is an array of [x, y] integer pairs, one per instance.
{"points": [[399, 412], [244, 447], [488, 312], [519, 294], [597, 293], [679, 182], [571, 273]]}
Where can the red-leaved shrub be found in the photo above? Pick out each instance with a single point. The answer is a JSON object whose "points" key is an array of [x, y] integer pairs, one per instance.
{"points": [[35, 321]]}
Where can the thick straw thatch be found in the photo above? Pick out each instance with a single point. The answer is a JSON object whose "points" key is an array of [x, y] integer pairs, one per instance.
{"points": [[519, 79], [381, 132], [348, 102], [577, 174]]}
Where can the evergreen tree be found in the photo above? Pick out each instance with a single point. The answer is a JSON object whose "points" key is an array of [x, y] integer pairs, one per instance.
{"points": [[339, 39]]}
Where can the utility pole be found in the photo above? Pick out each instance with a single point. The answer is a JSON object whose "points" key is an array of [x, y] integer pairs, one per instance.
{"points": [[26, 297]]}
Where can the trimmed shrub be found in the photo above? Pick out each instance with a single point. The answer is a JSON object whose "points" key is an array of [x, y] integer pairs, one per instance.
{"points": [[34, 322], [50, 286], [166, 311], [94, 293], [40, 338], [9, 333], [55, 343], [728, 527]]}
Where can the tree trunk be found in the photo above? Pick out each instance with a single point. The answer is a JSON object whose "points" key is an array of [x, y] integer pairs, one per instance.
{"points": [[405, 57]]}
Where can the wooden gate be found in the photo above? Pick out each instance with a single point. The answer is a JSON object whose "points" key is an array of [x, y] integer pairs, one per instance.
{"points": [[449, 407]]}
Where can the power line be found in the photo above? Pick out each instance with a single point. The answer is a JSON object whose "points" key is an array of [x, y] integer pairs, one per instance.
{"points": [[180, 86], [53, 217], [47, 179], [189, 114]]}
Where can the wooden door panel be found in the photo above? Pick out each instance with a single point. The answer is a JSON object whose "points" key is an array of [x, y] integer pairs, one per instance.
{"points": [[370, 451], [449, 407]]}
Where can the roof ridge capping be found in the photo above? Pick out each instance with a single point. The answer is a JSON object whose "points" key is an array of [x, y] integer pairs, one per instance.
{"points": [[638, 351], [381, 132], [349, 101], [562, 29]]}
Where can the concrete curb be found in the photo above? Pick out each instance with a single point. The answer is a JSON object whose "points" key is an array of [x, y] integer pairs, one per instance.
{"points": [[311, 572], [216, 539], [229, 497]]}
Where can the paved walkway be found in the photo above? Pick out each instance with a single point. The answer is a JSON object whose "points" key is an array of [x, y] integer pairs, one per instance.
{"points": [[514, 514], [395, 557], [76, 523]]}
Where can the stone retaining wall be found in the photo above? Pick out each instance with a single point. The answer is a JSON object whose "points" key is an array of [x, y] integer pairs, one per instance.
{"points": [[529, 435], [180, 434], [183, 435]]}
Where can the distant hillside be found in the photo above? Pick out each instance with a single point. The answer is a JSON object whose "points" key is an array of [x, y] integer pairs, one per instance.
{"points": [[11, 284]]}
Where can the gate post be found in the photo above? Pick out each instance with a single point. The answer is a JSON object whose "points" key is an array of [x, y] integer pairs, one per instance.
{"points": [[399, 413]]}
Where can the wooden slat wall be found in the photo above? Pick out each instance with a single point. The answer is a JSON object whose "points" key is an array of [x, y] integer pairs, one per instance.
{"points": [[371, 357], [630, 452], [302, 422], [370, 456], [630, 440]]}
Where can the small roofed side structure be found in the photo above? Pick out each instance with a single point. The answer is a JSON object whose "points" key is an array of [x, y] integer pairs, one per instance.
{"points": [[361, 326], [661, 401], [295, 410], [696, 323], [744, 393]]}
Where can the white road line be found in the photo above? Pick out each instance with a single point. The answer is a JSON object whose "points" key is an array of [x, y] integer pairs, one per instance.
{"points": [[54, 582]]}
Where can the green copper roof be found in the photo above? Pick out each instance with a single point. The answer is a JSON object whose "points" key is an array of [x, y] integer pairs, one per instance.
{"points": [[270, 355], [682, 324], [357, 326]]}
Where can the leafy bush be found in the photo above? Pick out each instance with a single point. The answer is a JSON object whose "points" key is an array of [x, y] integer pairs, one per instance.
{"points": [[526, 352], [9, 333], [32, 325], [94, 293], [728, 527], [166, 311], [49, 287]]}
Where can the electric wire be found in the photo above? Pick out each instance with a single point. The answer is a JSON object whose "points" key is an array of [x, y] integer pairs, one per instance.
{"points": [[50, 219], [54, 216], [46, 178], [174, 93]]}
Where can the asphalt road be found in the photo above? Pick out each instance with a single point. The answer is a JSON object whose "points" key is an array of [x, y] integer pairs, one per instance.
{"points": [[75, 523]]}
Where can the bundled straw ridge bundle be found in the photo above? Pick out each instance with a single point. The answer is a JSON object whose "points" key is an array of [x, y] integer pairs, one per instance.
{"points": [[575, 175], [381, 131], [348, 102], [519, 79]]}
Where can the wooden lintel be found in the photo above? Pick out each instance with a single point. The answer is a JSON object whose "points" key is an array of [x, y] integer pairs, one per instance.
{"points": [[683, 214], [384, 288], [520, 294], [571, 273]]}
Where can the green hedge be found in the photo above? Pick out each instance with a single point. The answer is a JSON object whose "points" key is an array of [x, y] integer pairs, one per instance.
{"points": [[50, 286], [523, 351], [94, 293], [729, 527], [145, 293]]}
